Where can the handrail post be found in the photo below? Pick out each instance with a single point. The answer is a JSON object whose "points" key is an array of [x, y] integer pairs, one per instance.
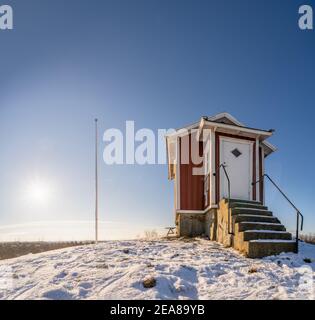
{"points": [[297, 232], [229, 198]]}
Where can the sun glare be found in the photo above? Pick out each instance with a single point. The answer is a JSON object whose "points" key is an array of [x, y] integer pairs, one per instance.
{"points": [[38, 192]]}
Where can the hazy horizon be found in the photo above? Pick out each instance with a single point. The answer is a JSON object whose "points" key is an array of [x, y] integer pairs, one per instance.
{"points": [[80, 231]]}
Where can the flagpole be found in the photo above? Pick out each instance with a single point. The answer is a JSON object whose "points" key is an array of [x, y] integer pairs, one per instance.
{"points": [[96, 181]]}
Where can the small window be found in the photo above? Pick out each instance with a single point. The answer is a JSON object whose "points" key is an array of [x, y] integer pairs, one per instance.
{"points": [[236, 152]]}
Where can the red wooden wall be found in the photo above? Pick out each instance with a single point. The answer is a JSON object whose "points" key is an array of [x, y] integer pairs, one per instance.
{"points": [[191, 186]]}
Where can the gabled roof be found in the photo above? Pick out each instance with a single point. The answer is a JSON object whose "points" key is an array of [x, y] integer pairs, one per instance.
{"points": [[225, 117], [225, 121]]}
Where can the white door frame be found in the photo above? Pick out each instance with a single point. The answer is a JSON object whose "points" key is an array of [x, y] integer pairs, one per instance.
{"points": [[222, 175]]}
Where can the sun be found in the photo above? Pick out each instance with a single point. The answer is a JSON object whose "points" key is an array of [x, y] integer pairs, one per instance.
{"points": [[38, 192]]}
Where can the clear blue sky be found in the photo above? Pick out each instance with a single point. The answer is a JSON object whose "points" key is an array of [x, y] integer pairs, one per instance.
{"points": [[163, 64]]}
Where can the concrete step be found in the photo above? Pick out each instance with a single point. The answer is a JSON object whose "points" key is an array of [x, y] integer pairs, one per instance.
{"points": [[257, 233], [261, 212], [243, 226], [242, 201], [254, 218], [263, 248], [248, 205], [265, 234]]}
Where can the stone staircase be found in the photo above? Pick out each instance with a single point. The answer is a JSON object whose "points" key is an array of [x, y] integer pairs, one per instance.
{"points": [[257, 233]]}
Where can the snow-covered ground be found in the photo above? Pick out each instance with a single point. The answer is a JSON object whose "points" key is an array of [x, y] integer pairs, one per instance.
{"points": [[195, 269]]}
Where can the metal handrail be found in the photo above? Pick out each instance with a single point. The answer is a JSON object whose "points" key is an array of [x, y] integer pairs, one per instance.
{"points": [[223, 165], [298, 212]]}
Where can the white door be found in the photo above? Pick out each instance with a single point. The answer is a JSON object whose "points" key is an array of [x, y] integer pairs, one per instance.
{"points": [[237, 155]]}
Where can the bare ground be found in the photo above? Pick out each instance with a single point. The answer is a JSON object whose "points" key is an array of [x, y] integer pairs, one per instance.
{"points": [[9, 250]]}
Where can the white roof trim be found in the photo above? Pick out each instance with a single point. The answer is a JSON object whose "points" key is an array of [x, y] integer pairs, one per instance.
{"points": [[269, 145], [238, 128], [228, 116], [211, 121], [238, 123]]}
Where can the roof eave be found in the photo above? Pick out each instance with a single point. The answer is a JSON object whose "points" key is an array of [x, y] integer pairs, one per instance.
{"points": [[258, 132]]}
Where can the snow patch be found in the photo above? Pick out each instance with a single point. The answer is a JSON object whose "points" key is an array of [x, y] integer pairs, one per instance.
{"points": [[190, 269]]}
